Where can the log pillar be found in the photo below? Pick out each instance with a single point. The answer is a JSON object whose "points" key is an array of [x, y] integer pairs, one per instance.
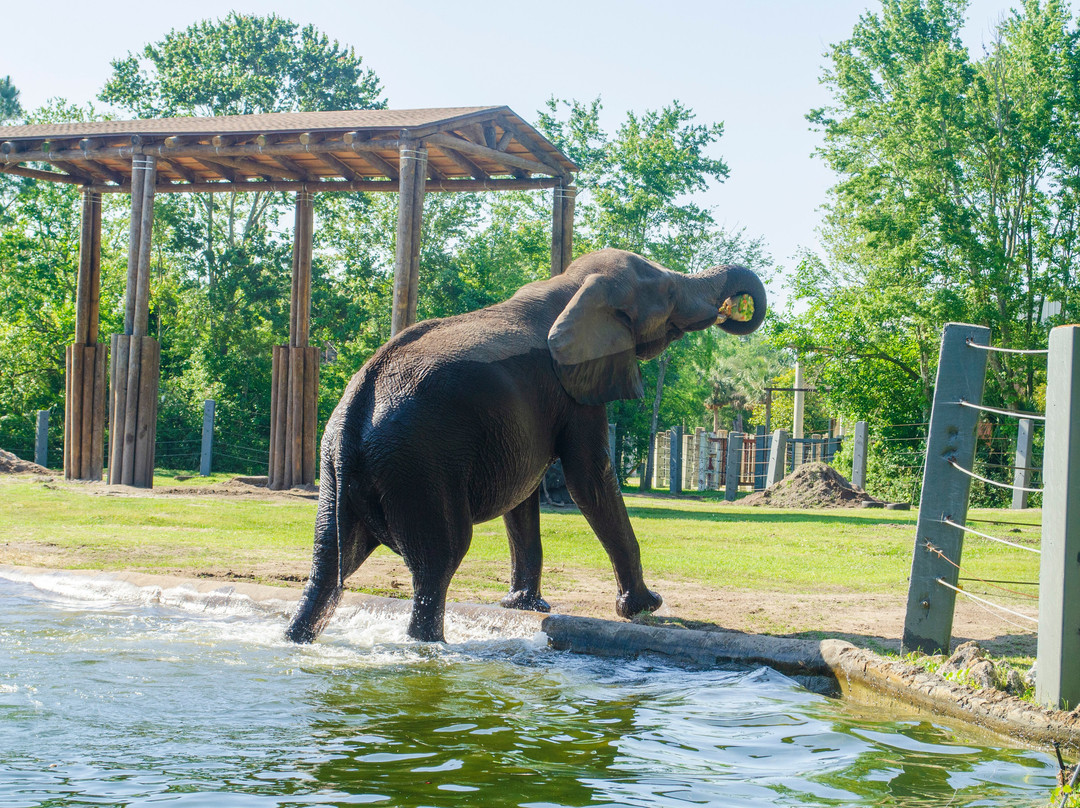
{"points": [[135, 366], [413, 176], [562, 228], [84, 384], [295, 375]]}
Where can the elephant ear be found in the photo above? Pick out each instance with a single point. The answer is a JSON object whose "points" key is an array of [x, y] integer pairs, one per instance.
{"points": [[592, 343]]}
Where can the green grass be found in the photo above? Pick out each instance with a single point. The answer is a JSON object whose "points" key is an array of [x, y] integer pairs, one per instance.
{"points": [[704, 541]]}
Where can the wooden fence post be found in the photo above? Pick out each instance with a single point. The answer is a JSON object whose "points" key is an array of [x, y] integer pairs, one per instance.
{"points": [[1057, 681], [675, 461], [858, 456], [961, 377], [207, 437], [1022, 463], [734, 462], [777, 457], [41, 441]]}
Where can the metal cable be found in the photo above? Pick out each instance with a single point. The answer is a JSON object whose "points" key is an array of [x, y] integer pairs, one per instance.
{"points": [[995, 584], [1034, 416], [985, 602], [997, 349], [948, 521], [952, 462]]}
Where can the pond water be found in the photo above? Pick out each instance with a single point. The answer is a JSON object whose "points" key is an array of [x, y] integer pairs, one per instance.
{"points": [[134, 697]]}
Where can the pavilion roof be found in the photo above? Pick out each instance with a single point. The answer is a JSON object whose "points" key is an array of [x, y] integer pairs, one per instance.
{"points": [[468, 148]]}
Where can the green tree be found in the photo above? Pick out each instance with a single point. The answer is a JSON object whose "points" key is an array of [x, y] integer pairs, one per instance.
{"points": [[221, 295], [636, 194], [956, 199], [9, 100]]}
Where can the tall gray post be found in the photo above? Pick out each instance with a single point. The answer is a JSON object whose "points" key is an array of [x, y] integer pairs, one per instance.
{"points": [[961, 377], [613, 450], [1022, 463], [858, 456], [777, 458], [675, 459], [41, 441], [1057, 682], [207, 436], [734, 462]]}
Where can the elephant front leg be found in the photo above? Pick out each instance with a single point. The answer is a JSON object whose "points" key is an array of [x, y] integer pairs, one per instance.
{"points": [[526, 556], [592, 483]]}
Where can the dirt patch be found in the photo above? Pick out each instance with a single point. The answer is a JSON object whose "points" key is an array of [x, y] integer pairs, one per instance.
{"points": [[811, 485], [10, 464], [250, 487]]}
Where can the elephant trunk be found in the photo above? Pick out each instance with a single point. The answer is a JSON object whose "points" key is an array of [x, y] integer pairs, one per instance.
{"points": [[717, 285]]}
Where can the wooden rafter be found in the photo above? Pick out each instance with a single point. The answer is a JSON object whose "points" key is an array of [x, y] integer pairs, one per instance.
{"points": [[333, 186]]}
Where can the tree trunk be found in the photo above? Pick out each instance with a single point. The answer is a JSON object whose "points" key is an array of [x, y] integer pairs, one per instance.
{"points": [[646, 479]]}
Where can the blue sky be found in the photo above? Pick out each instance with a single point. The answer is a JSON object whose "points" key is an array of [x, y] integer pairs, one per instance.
{"points": [[752, 65]]}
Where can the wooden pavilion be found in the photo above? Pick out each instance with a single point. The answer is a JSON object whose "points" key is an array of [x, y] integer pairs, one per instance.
{"points": [[410, 152]]}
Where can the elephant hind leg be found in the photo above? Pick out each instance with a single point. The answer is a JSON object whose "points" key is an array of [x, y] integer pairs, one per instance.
{"points": [[432, 544], [342, 543], [526, 556]]}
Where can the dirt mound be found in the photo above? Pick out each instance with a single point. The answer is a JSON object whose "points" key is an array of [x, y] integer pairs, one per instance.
{"points": [[10, 464], [251, 487], [811, 485]]}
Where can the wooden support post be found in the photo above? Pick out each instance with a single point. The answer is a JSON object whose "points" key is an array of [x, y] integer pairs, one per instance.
{"points": [[413, 160], [1022, 463], [562, 228], [206, 459], [777, 457], [278, 405], [675, 460], [734, 463], [311, 405], [41, 440], [300, 303], [858, 456], [1057, 681], [960, 378], [118, 372], [84, 384]]}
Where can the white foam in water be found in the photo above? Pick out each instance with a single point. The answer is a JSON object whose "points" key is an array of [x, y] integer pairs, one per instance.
{"points": [[360, 627]]}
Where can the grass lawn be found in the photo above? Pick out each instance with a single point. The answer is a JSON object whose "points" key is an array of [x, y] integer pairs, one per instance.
{"points": [[683, 539]]}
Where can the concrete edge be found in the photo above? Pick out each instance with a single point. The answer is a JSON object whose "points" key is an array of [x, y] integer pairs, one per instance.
{"points": [[831, 667]]}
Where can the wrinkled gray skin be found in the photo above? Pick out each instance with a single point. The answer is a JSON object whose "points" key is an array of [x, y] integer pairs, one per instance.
{"points": [[454, 421]]}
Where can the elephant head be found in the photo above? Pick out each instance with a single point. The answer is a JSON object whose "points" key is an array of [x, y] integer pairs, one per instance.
{"points": [[628, 309]]}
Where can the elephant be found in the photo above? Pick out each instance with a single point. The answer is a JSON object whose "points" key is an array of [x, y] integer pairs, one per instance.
{"points": [[454, 421]]}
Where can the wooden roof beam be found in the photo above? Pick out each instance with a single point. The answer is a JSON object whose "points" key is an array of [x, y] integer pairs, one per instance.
{"points": [[220, 168], [534, 148], [48, 176], [445, 142], [341, 167], [319, 186], [182, 170], [364, 148]]}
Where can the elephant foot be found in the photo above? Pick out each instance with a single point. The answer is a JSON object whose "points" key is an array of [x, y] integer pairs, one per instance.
{"points": [[426, 620], [525, 600], [629, 604]]}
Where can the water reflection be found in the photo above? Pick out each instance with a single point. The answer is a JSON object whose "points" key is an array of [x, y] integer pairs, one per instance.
{"points": [[132, 703]]}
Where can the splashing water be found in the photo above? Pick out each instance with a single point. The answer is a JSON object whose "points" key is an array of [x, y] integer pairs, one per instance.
{"points": [[119, 695]]}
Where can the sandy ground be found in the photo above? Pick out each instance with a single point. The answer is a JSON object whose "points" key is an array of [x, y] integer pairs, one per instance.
{"points": [[874, 621]]}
